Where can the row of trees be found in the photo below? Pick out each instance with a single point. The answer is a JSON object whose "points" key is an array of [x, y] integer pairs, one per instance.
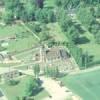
{"points": [[88, 17], [48, 71], [74, 3], [51, 71], [73, 35], [67, 26], [27, 11]]}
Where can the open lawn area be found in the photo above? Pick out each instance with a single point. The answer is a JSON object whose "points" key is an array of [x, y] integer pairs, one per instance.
{"points": [[20, 43], [56, 32], [86, 85], [10, 30], [12, 91], [49, 3]]}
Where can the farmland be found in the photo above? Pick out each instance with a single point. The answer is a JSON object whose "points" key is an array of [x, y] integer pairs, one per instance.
{"points": [[86, 85]]}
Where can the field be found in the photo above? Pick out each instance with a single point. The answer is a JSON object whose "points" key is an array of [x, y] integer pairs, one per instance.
{"points": [[20, 43], [86, 85]]}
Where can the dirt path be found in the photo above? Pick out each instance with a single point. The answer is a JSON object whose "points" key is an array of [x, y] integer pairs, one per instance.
{"points": [[55, 90], [30, 30], [86, 70]]}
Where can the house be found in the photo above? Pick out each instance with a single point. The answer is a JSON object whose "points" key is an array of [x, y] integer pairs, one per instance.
{"points": [[55, 53], [8, 73], [4, 55]]}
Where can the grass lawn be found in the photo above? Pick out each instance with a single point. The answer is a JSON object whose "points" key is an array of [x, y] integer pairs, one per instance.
{"points": [[49, 3], [10, 30], [56, 32], [12, 91], [21, 43], [40, 96], [86, 85]]}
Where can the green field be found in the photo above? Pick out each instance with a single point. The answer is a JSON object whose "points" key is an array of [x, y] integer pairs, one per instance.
{"points": [[86, 85], [20, 43], [10, 30]]}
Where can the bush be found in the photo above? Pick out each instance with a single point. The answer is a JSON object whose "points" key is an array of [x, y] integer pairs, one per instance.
{"points": [[12, 82], [37, 28]]}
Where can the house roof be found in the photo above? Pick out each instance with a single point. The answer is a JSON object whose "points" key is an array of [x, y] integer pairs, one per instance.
{"points": [[5, 70], [56, 53]]}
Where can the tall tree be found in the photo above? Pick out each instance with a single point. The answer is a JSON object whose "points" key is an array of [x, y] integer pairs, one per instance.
{"points": [[73, 34], [40, 3], [29, 84], [36, 70], [8, 17]]}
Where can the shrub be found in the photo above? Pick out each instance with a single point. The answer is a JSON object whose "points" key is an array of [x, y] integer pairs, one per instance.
{"points": [[12, 82]]}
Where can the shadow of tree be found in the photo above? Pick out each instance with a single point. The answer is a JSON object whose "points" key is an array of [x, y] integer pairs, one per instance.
{"points": [[37, 91], [80, 29], [82, 40], [91, 58]]}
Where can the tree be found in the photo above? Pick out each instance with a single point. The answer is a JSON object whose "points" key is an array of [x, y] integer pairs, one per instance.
{"points": [[86, 18], [44, 36], [25, 12], [64, 20], [94, 28], [73, 34], [8, 17], [40, 3], [41, 15], [85, 59], [51, 71], [97, 12], [45, 15], [97, 37], [51, 16], [36, 70], [29, 84], [51, 43], [30, 11], [76, 52], [58, 3], [37, 28]]}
